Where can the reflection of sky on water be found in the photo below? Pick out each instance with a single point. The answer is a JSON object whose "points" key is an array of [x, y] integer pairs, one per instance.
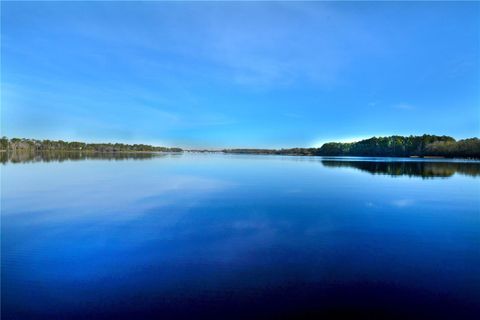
{"points": [[134, 235]]}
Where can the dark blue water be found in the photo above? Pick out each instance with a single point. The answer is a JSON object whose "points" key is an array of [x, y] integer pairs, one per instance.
{"points": [[223, 236]]}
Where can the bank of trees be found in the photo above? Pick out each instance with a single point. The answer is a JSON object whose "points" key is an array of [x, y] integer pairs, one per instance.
{"points": [[393, 146], [469, 148], [16, 144]]}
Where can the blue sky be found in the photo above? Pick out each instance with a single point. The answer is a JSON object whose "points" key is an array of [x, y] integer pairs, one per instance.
{"points": [[239, 74]]}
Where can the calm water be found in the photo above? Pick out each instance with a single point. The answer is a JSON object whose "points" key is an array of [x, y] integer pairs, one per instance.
{"points": [[228, 236]]}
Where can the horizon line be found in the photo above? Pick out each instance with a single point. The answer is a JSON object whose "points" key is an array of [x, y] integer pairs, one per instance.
{"points": [[240, 148]]}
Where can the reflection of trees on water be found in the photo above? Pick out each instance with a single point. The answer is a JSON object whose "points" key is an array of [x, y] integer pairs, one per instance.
{"points": [[422, 169], [59, 156]]}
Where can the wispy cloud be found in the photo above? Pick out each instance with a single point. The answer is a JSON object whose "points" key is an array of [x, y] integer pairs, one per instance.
{"points": [[404, 106], [403, 203], [319, 143], [250, 45]]}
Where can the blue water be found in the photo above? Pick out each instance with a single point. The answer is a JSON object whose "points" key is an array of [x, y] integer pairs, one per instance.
{"points": [[212, 236]]}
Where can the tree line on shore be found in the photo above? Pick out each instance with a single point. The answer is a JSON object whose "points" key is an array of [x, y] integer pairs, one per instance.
{"points": [[25, 145], [392, 146]]}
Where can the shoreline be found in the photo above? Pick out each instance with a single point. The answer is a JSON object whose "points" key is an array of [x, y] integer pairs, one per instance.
{"points": [[359, 157], [424, 146]]}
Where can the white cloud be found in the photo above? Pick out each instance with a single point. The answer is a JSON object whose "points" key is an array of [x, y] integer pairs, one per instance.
{"points": [[403, 203], [404, 106], [319, 143]]}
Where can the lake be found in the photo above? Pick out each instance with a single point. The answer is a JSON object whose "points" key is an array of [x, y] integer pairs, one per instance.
{"points": [[215, 236]]}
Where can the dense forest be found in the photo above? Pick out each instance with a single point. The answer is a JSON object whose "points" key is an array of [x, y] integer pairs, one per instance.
{"points": [[16, 144], [393, 146]]}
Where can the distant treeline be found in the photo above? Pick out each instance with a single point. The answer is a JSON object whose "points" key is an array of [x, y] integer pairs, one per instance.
{"points": [[393, 146], [285, 152], [16, 144]]}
